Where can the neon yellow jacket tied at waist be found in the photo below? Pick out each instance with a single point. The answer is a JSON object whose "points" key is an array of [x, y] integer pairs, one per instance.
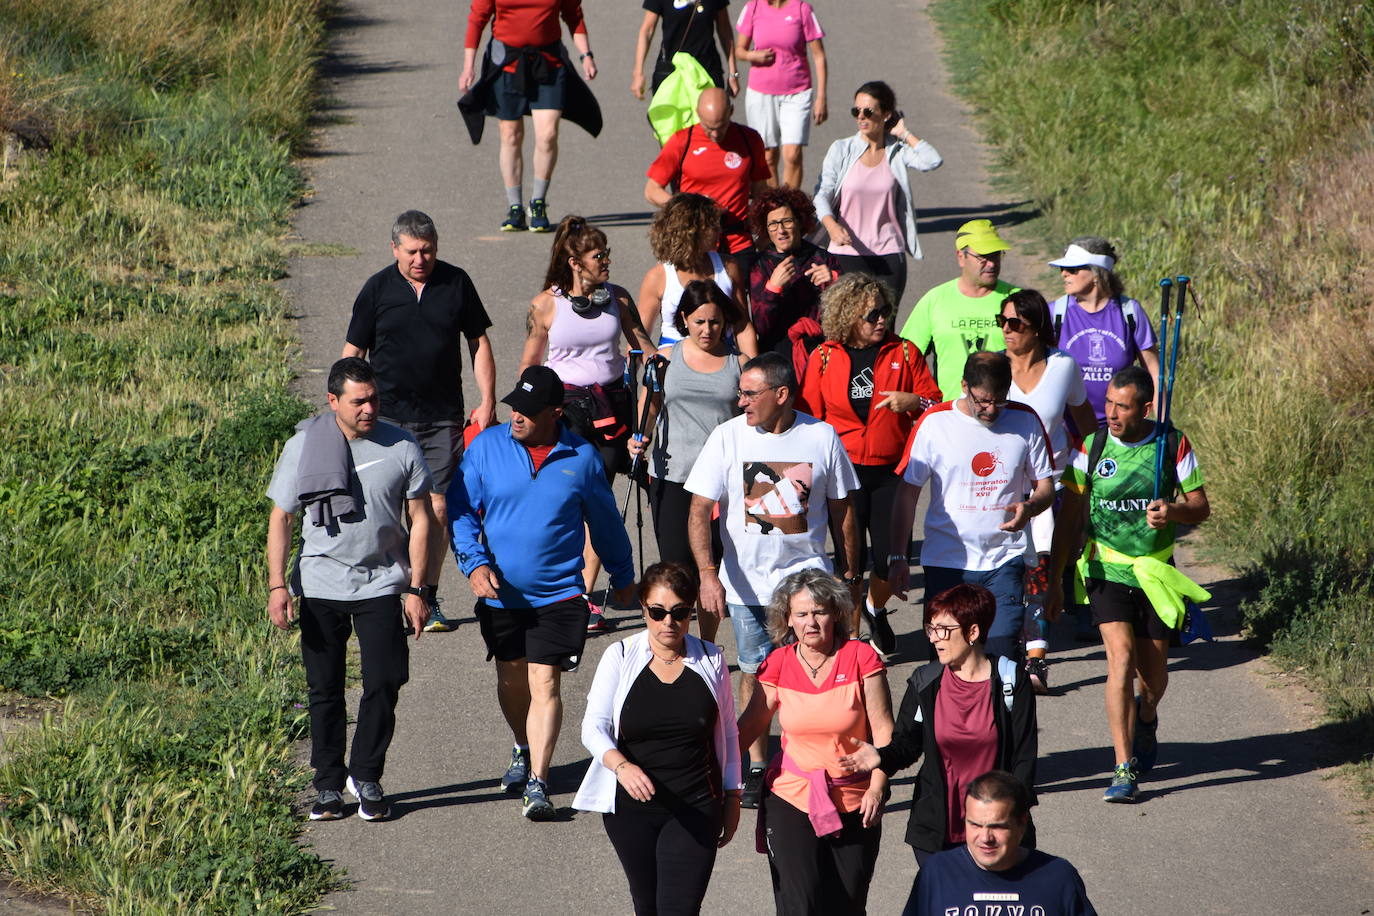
{"points": [[1164, 585]]}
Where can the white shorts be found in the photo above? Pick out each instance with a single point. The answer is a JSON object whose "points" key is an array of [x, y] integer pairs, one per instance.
{"points": [[780, 119]]}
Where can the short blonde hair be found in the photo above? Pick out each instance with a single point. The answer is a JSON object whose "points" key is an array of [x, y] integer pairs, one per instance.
{"points": [[850, 298], [824, 589]]}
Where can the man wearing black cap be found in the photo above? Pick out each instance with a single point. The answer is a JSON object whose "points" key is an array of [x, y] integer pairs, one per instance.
{"points": [[518, 505]]}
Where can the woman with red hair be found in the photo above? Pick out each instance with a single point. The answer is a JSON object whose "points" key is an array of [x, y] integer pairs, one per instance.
{"points": [[968, 712], [789, 274]]}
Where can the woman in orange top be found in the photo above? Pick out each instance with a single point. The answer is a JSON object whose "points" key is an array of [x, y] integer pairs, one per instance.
{"points": [[821, 825], [871, 386]]}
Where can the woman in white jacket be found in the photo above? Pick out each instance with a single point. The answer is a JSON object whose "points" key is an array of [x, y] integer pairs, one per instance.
{"points": [[863, 197], [665, 771]]}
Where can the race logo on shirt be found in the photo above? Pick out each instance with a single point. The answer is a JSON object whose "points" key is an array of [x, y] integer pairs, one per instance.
{"points": [[777, 495], [984, 463], [733, 160], [1106, 468]]}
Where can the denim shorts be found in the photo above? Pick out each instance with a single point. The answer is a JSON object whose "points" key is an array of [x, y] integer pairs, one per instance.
{"points": [[752, 645]]}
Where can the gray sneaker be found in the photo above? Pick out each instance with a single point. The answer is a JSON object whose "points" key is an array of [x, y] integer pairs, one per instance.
{"points": [[328, 806], [518, 773], [372, 803]]}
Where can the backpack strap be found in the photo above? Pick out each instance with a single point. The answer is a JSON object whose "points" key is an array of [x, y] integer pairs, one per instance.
{"points": [[1006, 672], [1059, 307], [925, 675], [1128, 311]]}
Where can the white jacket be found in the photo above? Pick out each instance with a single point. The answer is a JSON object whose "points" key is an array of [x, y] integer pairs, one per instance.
{"points": [[844, 153], [615, 674]]}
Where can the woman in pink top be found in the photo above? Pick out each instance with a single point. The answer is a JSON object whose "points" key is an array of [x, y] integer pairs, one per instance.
{"points": [[821, 824], [575, 327], [782, 102]]}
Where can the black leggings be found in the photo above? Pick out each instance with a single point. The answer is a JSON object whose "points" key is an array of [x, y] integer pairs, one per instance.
{"points": [[819, 876], [889, 268], [670, 503], [873, 501], [667, 857]]}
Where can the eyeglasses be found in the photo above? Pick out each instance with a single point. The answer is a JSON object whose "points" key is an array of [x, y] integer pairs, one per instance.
{"points": [[601, 255], [878, 314], [1014, 323], [936, 631], [1071, 271], [658, 612], [869, 113], [746, 395], [983, 258], [785, 223], [986, 403]]}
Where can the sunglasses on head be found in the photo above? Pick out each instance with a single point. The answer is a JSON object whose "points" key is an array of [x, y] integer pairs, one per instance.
{"points": [[658, 612], [1014, 323]]}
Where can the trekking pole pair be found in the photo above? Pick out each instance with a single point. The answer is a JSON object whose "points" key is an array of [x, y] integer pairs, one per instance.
{"points": [[1168, 352]]}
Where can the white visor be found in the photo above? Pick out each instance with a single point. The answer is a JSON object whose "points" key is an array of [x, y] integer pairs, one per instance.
{"points": [[1081, 257]]}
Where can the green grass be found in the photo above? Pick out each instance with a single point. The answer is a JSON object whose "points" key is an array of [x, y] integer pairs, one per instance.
{"points": [[145, 356], [1230, 141]]}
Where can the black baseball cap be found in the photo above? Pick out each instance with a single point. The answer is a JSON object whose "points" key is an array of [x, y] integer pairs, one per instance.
{"points": [[539, 387]]}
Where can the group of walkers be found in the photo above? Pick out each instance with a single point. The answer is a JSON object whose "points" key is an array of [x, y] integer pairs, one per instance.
{"points": [[761, 393]]}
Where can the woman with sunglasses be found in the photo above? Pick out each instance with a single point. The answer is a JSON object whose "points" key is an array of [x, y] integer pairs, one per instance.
{"points": [[822, 825], [966, 712], [1096, 323], [871, 386], [683, 238], [665, 769], [1048, 381], [864, 196], [580, 326]]}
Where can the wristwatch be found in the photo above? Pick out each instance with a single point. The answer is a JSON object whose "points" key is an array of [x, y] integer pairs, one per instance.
{"points": [[587, 55], [412, 590]]}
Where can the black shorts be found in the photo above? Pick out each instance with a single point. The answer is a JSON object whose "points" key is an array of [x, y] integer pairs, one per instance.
{"points": [[442, 445], [512, 104], [549, 635], [1112, 602]]}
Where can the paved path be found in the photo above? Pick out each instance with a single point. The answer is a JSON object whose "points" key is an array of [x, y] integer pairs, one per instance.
{"points": [[1237, 819]]}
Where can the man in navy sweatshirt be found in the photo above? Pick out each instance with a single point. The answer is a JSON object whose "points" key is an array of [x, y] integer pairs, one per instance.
{"points": [[518, 505]]}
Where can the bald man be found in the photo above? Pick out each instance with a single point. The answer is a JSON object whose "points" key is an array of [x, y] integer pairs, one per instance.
{"points": [[718, 158]]}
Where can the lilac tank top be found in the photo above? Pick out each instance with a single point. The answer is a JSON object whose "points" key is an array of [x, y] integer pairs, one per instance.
{"points": [[585, 349]]}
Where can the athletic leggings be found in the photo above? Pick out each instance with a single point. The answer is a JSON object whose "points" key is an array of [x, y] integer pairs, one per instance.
{"points": [[819, 876], [667, 857], [669, 504], [873, 501]]}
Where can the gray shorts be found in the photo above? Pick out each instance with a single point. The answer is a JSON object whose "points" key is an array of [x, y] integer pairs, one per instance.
{"points": [[441, 442]]}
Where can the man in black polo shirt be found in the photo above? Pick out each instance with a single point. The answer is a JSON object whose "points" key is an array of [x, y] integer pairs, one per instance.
{"points": [[407, 321]]}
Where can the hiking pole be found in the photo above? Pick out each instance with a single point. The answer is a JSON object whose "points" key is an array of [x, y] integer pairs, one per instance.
{"points": [[653, 385], [1168, 419], [630, 377], [1165, 290]]}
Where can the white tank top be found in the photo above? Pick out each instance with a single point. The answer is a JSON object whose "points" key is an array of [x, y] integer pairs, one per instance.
{"points": [[672, 295]]}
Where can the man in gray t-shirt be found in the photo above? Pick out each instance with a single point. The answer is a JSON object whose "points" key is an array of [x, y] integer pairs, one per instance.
{"points": [[358, 482]]}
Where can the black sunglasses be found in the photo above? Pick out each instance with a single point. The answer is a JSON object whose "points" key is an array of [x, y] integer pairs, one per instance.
{"points": [[878, 314], [870, 113], [658, 612], [1014, 323]]}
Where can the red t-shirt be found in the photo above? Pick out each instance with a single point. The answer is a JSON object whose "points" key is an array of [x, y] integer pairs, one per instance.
{"points": [[523, 23], [723, 172], [967, 740], [819, 724], [538, 453]]}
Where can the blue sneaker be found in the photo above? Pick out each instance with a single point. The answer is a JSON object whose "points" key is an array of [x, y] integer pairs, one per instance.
{"points": [[1145, 744], [518, 773], [1123, 786], [536, 805], [539, 216], [515, 219], [437, 622]]}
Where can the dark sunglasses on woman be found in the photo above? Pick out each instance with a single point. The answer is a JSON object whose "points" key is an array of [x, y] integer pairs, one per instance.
{"points": [[658, 612], [1014, 323]]}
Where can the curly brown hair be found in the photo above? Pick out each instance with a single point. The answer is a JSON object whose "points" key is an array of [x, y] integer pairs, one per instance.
{"points": [[676, 234], [850, 298], [773, 198]]}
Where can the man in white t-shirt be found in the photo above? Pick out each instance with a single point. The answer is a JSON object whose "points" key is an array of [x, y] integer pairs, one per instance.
{"points": [[982, 454], [768, 471]]}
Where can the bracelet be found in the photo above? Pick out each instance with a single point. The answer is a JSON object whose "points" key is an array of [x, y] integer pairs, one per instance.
{"points": [[274, 588], [704, 568], [616, 771]]}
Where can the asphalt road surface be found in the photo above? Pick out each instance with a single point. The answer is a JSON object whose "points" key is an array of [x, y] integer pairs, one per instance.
{"points": [[1237, 818]]}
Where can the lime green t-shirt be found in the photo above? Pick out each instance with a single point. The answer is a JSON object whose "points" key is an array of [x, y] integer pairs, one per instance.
{"points": [[1123, 485], [957, 325]]}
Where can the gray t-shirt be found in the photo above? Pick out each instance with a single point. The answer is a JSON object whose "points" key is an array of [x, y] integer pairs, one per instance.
{"points": [[367, 555]]}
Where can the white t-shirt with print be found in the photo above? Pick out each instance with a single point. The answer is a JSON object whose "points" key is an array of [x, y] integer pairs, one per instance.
{"points": [[772, 490], [975, 472]]}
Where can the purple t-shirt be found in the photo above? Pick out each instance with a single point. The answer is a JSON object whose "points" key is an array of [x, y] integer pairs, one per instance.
{"points": [[786, 29], [1098, 341]]}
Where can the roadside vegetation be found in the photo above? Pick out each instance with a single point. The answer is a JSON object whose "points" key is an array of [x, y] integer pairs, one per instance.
{"points": [[144, 362], [1231, 141]]}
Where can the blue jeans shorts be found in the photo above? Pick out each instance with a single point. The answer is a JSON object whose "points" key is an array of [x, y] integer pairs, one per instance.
{"points": [[752, 645]]}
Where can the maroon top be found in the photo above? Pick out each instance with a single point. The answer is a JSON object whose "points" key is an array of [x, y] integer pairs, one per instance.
{"points": [[966, 739]]}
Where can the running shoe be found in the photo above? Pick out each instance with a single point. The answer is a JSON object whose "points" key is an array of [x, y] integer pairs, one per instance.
{"points": [[1123, 786], [437, 622], [753, 788], [1038, 670], [597, 623], [515, 219], [372, 803], [328, 806], [539, 216], [535, 804], [1145, 745], [518, 773], [880, 632]]}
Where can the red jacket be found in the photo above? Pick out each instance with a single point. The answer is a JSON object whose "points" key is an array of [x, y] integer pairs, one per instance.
{"points": [[899, 366]]}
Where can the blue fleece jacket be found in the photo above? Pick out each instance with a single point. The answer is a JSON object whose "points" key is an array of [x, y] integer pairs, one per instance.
{"points": [[527, 525]]}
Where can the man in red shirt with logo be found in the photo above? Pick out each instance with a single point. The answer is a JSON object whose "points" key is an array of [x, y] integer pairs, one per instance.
{"points": [[525, 72], [718, 158]]}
